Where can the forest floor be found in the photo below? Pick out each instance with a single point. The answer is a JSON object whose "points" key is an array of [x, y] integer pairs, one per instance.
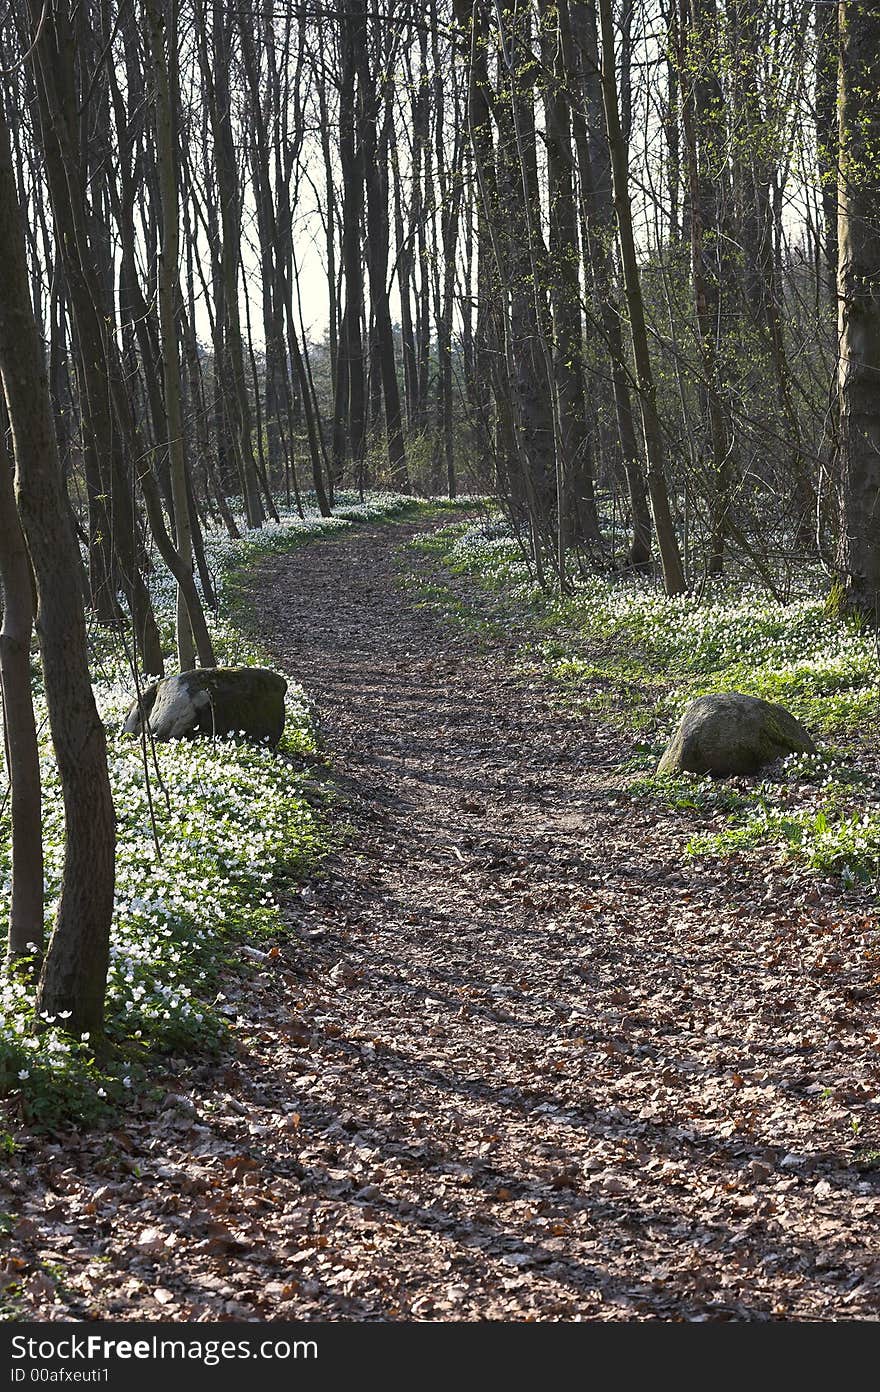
{"points": [[520, 1057]]}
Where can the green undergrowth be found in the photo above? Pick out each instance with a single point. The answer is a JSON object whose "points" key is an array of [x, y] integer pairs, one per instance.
{"points": [[491, 610], [432, 595], [621, 648], [817, 809], [210, 834]]}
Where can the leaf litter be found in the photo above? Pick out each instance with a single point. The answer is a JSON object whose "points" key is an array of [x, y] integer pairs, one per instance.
{"points": [[519, 1058]]}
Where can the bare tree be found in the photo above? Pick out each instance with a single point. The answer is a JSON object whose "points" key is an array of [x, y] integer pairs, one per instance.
{"points": [[667, 543], [858, 293], [74, 974], [19, 724]]}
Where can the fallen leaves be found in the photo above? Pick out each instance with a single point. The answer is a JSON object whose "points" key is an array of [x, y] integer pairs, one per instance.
{"points": [[532, 1064], [150, 1241]]}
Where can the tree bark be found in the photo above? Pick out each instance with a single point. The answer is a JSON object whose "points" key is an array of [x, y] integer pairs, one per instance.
{"points": [[579, 35], [19, 725], [858, 292], [98, 365], [192, 635], [826, 136], [375, 168], [667, 543], [565, 298], [349, 410], [706, 140], [75, 970]]}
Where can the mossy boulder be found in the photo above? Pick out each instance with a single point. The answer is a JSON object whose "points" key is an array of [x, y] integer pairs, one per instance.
{"points": [[212, 701], [730, 733]]}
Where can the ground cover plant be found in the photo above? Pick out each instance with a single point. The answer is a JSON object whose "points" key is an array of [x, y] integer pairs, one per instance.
{"points": [[197, 869], [515, 1058], [620, 645], [448, 1007]]}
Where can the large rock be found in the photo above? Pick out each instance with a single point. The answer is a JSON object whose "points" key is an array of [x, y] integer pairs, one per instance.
{"points": [[731, 733], [212, 701]]}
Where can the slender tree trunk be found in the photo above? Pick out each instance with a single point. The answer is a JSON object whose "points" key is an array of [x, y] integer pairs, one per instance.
{"points": [[19, 725], [375, 168], [826, 135], [667, 543], [162, 24], [450, 188], [565, 298], [706, 139], [349, 412], [491, 290], [101, 379], [403, 245], [75, 970], [216, 73], [580, 39], [519, 234], [858, 293]]}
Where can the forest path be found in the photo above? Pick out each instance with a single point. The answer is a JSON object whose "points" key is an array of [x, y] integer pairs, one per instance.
{"points": [[523, 1059], [550, 1070]]}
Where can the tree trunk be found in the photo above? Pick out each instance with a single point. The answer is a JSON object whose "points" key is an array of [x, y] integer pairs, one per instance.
{"points": [[74, 974], [99, 369], [565, 297], [524, 255], [19, 725], [706, 140], [667, 543], [192, 635], [580, 41], [375, 168], [858, 292], [826, 136], [217, 77], [349, 410]]}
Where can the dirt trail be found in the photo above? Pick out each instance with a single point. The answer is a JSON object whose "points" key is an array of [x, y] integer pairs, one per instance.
{"points": [[524, 1059]]}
